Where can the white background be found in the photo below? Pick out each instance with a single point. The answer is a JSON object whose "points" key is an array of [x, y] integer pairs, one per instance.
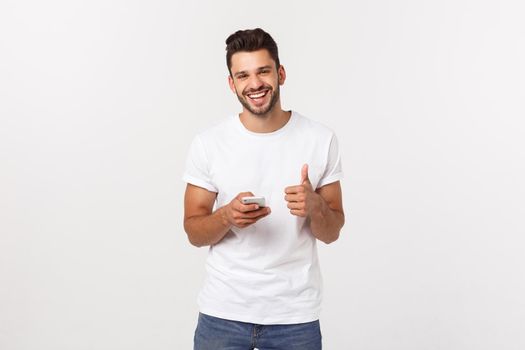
{"points": [[99, 101]]}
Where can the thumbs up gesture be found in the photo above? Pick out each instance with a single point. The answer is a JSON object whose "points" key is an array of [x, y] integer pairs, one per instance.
{"points": [[302, 199]]}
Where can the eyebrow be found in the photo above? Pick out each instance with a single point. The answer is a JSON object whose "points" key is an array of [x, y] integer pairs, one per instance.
{"points": [[258, 70], [239, 73]]}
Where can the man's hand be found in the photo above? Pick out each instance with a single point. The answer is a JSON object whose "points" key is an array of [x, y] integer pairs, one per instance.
{"points": [[243, 215], [323, 207], [205, 227], [302, 199]]}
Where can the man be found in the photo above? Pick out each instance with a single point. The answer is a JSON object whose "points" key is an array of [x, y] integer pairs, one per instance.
{"points": [[264, 285]]}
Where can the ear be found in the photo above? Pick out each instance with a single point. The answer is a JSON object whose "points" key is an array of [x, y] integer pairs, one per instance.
{"points": [[232, 85], [282, 74]]}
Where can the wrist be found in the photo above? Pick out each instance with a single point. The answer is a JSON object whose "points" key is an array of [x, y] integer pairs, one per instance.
{"points": [[223, 214]]}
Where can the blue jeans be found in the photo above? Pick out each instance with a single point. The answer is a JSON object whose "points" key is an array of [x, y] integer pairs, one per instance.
{"points": [[214, 333]]}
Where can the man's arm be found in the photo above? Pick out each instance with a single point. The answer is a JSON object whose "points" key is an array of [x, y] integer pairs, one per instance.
{"points": [[205, 227], [324, 207], [327, 221]]}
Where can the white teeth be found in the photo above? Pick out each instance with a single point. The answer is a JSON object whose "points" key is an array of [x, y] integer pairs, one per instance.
{"points": [[259, 95]]}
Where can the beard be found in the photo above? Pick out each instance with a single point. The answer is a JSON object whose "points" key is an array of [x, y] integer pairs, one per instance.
{"points": [[263, 110]]}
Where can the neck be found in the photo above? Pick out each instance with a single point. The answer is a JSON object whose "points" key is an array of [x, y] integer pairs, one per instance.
{"points": [[269, 122]]}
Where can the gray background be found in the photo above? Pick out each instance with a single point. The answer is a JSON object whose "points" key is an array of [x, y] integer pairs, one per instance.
{"points": [[99, 101]]}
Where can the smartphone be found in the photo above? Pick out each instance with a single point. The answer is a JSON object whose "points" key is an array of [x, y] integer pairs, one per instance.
{"points": [[260, 201]]}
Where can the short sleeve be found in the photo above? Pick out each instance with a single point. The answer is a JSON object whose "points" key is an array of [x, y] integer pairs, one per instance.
{"points": [[197, 167], [333, 170]]}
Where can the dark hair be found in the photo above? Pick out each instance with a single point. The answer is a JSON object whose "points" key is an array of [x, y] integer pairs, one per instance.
{"points": [[250, 40]]}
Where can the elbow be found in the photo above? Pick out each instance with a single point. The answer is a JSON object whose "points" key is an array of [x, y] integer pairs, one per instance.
{"points": [[195, 242], [331, 238], [192, 238], [334, 236]]}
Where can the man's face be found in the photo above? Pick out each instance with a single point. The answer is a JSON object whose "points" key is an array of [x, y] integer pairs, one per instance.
{"points": [[255, 80]]}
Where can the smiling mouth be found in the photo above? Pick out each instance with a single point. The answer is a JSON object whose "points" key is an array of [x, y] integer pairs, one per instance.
{"points": [[257, 96]]}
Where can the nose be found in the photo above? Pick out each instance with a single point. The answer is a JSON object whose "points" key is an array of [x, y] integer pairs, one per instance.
{"points": [[255, 83]]}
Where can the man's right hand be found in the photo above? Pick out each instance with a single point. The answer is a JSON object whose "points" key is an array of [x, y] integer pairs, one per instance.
{"points": [[243, 215]]}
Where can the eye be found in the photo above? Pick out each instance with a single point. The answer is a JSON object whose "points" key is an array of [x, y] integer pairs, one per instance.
{"points": [[242, 76], [265, 71]]}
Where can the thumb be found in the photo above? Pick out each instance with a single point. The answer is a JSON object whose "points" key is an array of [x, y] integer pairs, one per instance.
{"points": [[304, 174]]}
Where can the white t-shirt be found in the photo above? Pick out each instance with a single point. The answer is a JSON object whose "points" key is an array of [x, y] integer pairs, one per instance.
{"points": [[267, 273]]}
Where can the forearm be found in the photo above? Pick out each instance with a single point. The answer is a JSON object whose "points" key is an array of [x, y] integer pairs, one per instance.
{"points": [[326, 223], [208, 229]]}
